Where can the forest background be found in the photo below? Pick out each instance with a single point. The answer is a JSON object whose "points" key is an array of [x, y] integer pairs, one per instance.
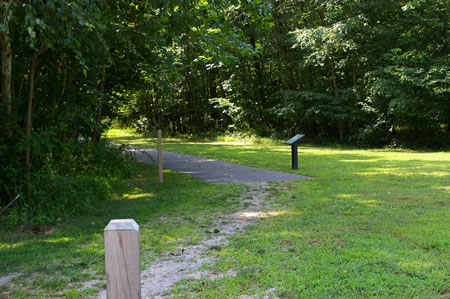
{"points": [[362, 73]]}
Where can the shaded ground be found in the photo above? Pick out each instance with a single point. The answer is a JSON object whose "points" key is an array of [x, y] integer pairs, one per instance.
{"points": [[210, 170]]}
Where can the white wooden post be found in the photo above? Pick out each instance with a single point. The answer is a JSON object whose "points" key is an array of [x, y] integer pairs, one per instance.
{"points": [[160, 158], [123, 278]]}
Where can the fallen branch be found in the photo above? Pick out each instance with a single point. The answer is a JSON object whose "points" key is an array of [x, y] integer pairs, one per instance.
{"points": [[8, 205]]}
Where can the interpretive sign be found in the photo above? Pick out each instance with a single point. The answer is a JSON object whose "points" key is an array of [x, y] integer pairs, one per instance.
{"points": [[293, 143], [294, 139]]}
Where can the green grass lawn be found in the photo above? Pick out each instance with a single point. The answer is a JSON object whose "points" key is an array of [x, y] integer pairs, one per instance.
{"points": [[371, 223], [60, 258]]}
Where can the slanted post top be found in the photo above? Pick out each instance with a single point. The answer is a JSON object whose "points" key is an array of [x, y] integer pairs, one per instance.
{"points": [[122, 224], [294, 139]]}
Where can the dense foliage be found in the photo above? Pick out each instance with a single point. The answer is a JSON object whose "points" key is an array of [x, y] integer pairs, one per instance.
{"points": [[367, 73], [54, 58]]}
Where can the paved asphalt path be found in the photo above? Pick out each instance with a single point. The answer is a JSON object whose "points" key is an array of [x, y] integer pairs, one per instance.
{"points": [[210, 170]]}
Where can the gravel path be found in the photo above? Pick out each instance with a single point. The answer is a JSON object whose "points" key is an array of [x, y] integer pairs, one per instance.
{"points": [[7, 279], [162, 274], [210, 170]]}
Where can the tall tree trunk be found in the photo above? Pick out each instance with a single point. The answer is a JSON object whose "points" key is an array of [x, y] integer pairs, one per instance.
{"points": [[98, 121], [6, 74], [287, 73], [446, 9], [19, 91], [156, 109], [190, 96], [59, 76], [261, 92], [35, 65], [63, 87], [212, 73], [6, 77], [340, 121], [259, 80]]}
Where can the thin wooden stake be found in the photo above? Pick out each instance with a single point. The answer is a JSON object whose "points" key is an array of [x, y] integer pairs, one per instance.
{"points": [[123, 278], [160, 158]]}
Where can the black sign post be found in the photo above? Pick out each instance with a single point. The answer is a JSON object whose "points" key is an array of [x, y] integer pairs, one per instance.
{"points": [[293, 143]]}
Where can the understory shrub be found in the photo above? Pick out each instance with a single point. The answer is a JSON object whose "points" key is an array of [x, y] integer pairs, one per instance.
{"points": [[72, 182]]}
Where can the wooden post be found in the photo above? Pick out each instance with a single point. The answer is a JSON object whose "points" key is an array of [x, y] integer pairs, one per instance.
{"points": [[160, 158], [123, 278]]}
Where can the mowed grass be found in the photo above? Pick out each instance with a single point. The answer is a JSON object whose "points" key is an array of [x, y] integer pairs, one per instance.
{"points": [[371, 223], [67, 259]]}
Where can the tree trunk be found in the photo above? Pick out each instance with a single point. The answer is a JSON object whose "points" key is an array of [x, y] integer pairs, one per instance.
{"points": [[444, 50], [340, 121], [6, 73], [19, 91], [189, 96], [261, 92], [98, 121], [6, 77], [63, 87], [212, 73], [59, 76], [35, 65], [259, 81]]}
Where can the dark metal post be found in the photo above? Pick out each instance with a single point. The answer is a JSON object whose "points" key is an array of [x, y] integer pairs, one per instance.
{"points": [[293, 142], [294, 156]]}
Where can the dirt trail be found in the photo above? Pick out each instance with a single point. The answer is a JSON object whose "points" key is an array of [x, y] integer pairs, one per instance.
{"points": [[163, 273]]}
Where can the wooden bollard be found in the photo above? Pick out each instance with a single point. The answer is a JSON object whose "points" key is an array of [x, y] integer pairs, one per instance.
{"points": [[160, 158], [123, 278]]}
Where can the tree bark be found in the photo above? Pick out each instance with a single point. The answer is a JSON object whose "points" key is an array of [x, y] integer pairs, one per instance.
{"points": [[340, 123], [19, 91], [446, 7], [212, 73], [6, 77], [98, 121], [6, 72], [35, 65], [260, 82], [189, 96], [63, 87]]}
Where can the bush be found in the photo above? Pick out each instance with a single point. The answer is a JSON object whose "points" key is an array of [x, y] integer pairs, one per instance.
{"points": [[74, 181]]}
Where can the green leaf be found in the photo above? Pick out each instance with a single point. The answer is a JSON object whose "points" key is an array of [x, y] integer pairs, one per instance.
{"points": [[31, 32], [164, 20]]}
